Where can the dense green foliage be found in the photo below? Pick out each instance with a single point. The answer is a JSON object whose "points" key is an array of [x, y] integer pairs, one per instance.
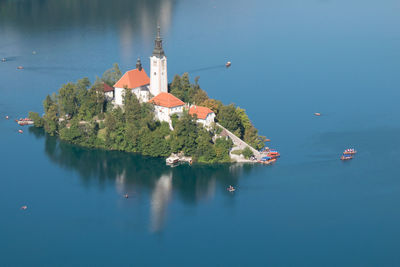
{"points": [[79, 114], [231, 117], [247, 153]]}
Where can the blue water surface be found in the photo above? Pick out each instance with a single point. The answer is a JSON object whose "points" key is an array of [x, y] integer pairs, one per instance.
{"points": [[289, 60]]}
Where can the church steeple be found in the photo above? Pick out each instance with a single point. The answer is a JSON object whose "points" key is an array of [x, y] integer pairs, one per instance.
{"points": [[158, 68], [158, 49], [139, 64]]}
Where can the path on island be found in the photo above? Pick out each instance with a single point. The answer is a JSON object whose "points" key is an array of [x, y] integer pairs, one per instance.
{"points": [[238, 142]]}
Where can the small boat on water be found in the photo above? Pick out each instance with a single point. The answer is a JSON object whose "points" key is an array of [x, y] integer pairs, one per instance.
{"points": [[126, 196], [20, 68], [20, 131], [228, 64], [346, 157], [25, 121], [267, 160], [24, 207], [317, 114], [3, 59], [231, 189], [273, 154], [267, 140], [172, 160], [7, 117], [349, 151]]}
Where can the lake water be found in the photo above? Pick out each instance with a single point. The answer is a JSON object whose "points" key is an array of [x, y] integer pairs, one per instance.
{"points": [[289, 60]]}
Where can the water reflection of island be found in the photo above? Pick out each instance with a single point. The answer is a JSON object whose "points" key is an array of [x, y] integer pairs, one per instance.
{"points": [[131, 174], [143, 14], [133, 21]]}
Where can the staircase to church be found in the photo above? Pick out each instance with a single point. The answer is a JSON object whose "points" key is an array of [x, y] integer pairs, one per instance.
{"points": [[238, 142]]}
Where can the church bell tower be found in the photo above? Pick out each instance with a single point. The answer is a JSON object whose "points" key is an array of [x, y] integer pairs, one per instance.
{"points": [[158, 68]]}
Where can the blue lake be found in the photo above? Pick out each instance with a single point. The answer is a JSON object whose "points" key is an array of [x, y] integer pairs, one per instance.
{"points": [[289, 60]]}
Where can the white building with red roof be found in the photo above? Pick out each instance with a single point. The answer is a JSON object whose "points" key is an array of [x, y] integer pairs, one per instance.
{"points": [[135, 80], [165, 105], [108, 92], [138, 81], [204, 115]]}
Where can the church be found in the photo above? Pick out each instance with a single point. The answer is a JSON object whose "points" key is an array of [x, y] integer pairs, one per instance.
{"points": [[155, 89]]}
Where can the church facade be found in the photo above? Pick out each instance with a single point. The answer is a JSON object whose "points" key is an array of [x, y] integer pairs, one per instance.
{"points": [[154, 89], [139, 82]]}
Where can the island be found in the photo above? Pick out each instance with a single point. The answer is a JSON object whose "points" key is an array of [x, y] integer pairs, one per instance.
{"points": [[137, 113]]}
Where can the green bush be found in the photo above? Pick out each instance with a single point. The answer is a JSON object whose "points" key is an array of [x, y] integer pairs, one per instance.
{"points": [[247, 153]]}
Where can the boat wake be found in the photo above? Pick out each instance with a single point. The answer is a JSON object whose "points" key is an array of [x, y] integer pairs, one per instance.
{"points": [[221, 66]]}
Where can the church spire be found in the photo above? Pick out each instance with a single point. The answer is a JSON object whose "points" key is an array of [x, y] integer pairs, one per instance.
{"points": [[158, 50], [139, 64]]}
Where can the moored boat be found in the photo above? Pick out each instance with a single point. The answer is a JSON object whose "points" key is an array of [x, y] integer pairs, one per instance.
{"points": [[228, 64], [317, 114], [20, 131], [231, 189], [172, 160], [349, 151], [273, 154], [20, 68], [346, 157], [25, 121], [267, 160]]}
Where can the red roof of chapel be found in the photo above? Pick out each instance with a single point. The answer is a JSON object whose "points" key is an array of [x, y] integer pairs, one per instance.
{"points": [[107, 88], [201, 112], [133, 79], [166, 100]]}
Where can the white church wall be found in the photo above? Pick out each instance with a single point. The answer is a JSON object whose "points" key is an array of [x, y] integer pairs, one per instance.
{"points": [[119, 96], [158, 75], [109, 95], [164, 113], [142, 94], [208, 120]]}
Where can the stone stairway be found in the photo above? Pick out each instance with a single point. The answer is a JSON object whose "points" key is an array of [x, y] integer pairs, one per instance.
{"points": [[238, 142]]}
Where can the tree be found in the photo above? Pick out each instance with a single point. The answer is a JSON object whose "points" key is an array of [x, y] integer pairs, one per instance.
{"points": [[244, 119], [247, 153], [184, 135], [176, 88], [222, 148], [98, 88], [205, 151], [132, 107], [47, 103], [214, 105], [51, 119], [37, 120], [111, 76], [67, 99], [199, 97], [228, 118], [183, 89]]}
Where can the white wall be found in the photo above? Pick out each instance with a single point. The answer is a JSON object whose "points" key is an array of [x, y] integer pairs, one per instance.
{"points": [[119, 96], [109, 95], [164, 113], [208, 120], [142, 93], [158, 75]]}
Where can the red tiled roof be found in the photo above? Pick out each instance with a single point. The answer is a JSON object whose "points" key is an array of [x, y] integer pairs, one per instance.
{"points": [[201, 112], [107, 88], [133, 79], [166, 100]]}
